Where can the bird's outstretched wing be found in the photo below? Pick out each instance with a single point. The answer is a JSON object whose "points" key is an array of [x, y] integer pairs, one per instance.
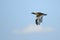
{"points": [[34, 13]]}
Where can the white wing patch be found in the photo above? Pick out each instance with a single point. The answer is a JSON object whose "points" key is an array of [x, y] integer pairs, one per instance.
{"points": [[39, 19]]}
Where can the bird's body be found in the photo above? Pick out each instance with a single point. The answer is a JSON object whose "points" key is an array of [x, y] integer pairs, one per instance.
{"points": [[39, 17]]}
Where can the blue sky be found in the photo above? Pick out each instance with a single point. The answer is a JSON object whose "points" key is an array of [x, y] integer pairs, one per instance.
{"points": [[17, 14]]}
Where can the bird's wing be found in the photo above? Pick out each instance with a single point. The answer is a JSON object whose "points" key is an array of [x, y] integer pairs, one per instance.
{"points": [[40, 18]]}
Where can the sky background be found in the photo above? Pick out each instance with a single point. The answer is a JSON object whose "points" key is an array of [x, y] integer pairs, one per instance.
{"points": [[17, 14]]}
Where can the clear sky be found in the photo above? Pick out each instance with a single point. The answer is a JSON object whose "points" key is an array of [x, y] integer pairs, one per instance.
{"points": [[17, 14]]}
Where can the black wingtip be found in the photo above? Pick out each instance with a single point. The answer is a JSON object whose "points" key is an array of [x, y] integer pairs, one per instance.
{"points": [[33, 13], [45, 14]]}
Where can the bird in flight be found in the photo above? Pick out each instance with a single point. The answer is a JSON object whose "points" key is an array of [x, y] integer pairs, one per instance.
{"points": [[39, 17]]}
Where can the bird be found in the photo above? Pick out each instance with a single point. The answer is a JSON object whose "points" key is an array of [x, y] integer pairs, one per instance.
{"points": [[39, 17]]}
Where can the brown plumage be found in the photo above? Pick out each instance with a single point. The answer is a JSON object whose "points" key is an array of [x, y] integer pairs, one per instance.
{"points": [[38, 14], [39, 17]]}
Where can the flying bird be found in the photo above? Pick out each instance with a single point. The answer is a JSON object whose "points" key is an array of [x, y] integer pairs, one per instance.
{"points": [[39, 17]]}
